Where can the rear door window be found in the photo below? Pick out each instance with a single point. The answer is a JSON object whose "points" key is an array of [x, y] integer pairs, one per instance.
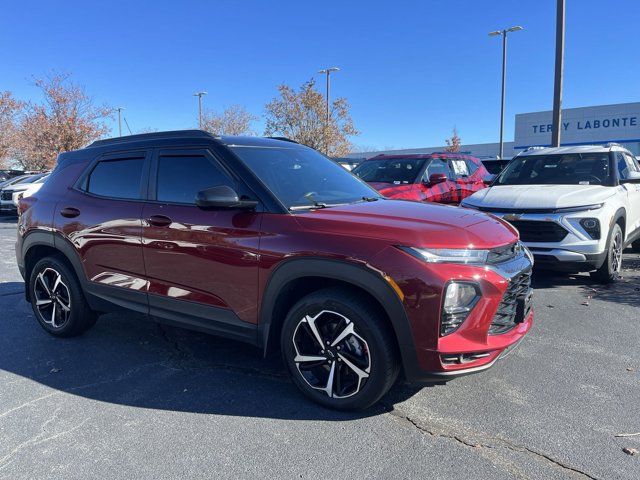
{"points": [[119, 178], [472, 167], [181, 177], [460, 168]]}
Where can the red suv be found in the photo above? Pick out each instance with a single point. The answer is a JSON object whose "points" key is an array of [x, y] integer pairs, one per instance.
{"points": [[269, 242], [432, 177]]}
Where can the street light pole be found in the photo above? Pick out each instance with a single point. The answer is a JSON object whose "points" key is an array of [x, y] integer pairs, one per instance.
{"points": [[199, 95], [503, 33], [556, 121], [119, 109], [327, 72]]}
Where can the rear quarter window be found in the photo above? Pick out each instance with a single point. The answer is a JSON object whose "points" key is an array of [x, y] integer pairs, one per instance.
{"points": [[116, 178]]}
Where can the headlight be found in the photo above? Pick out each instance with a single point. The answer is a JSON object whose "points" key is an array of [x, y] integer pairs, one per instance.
{"points": [[449, 255], [584, 208], [459, 300]]}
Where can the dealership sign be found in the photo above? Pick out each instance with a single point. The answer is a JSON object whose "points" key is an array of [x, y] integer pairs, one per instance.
{"points": [[607, 123]]}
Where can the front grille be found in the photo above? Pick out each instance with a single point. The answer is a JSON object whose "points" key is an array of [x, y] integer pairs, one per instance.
{"points": [[503, 254], [505, 317], [5, 195], [539, 231]]}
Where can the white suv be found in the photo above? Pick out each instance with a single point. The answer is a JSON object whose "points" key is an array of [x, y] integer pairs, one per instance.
{"points": [[576, 208]]}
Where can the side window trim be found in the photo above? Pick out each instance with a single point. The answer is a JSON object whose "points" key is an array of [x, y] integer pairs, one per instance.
{"points": [[182, 151], [82, 183]]}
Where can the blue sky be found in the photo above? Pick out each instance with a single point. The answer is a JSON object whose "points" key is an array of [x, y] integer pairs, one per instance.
{"points": [[411, 70]]}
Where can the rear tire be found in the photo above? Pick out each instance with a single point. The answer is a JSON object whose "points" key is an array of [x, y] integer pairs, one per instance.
{"points": [[339, 350], [57, 299], [610, 269]]}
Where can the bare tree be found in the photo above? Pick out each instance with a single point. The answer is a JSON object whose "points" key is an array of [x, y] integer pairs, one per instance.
{"points": [[234, 120], [454, 143], [300, 116], [67, 119], [10, 108]]}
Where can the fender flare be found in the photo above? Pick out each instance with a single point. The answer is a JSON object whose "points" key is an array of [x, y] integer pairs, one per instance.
{"points": [[57, 242], [360, 276], [621, 213]]}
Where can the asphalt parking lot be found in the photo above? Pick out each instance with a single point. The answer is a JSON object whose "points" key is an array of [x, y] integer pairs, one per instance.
{"points": [[133, 399]]}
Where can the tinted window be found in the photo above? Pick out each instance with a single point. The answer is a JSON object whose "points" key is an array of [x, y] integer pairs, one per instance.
{"points": [[460, 167], [301, 177], [568, 169], [117, 178], [396, 171], [437, 165], [471, 166], [622, 165], [180, 178]]}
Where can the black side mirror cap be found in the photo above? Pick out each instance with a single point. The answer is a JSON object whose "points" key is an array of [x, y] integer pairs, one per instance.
{"points": [[223, 196], [488, 179]]}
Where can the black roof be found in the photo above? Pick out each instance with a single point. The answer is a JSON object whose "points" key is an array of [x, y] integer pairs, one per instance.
{"points": [[193, 134]]}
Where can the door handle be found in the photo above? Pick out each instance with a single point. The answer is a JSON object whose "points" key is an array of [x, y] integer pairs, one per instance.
{"points": [[159, 221], [69, 212]]}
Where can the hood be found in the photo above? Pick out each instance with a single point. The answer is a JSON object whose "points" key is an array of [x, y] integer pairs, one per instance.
{"points": [[539, 196], [17, 188], [412, 224]]}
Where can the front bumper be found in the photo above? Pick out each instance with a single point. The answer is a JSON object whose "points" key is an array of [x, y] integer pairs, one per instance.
{"points": [[471, 348], [577, 251], [8, 207]]}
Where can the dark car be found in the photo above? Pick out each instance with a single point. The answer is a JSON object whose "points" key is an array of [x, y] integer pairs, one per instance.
{"points": [[495, 166], [271, 243], [432, 177]]}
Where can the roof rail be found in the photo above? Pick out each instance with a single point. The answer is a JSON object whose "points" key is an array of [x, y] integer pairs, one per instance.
{"points": [[152, 136], [284, 139], [535, 147], [613, 144]]}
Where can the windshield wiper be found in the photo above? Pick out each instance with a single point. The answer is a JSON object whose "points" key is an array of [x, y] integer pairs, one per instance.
{"points": [[312, 206], [370, 199]]}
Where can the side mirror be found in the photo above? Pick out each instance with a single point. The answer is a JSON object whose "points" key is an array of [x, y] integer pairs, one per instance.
{"points": [[222, 196], [435, 178], [634, 177], [488, 179]]}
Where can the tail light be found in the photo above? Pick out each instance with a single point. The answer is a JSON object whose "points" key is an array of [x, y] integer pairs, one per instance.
{"points": [[25, 203]]}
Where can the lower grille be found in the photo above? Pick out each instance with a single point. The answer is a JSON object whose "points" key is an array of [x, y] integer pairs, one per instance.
{"points": [[5, 195], [539, 231], [505, 317]]}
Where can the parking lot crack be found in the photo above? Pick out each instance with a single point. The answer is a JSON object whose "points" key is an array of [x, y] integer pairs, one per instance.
{"points": [[497, 444], [45, 435]]}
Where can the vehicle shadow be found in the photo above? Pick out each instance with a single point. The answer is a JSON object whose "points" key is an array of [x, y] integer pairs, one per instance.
{"points": [[131, 361], [626, 290]]}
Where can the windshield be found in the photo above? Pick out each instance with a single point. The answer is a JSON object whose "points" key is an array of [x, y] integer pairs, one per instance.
{"points": [[302, 178], [398, 172], [567, 169]]}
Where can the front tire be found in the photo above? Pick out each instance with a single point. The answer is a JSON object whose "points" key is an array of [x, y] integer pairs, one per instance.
{"points": [[339, 350], [57, 299], [610, 269]]}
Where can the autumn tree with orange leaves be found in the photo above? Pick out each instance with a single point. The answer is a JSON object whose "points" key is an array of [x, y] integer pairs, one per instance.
{"points": [[9, 111], [234, 120], [454, 143], [66, 119], [301, 116]]}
